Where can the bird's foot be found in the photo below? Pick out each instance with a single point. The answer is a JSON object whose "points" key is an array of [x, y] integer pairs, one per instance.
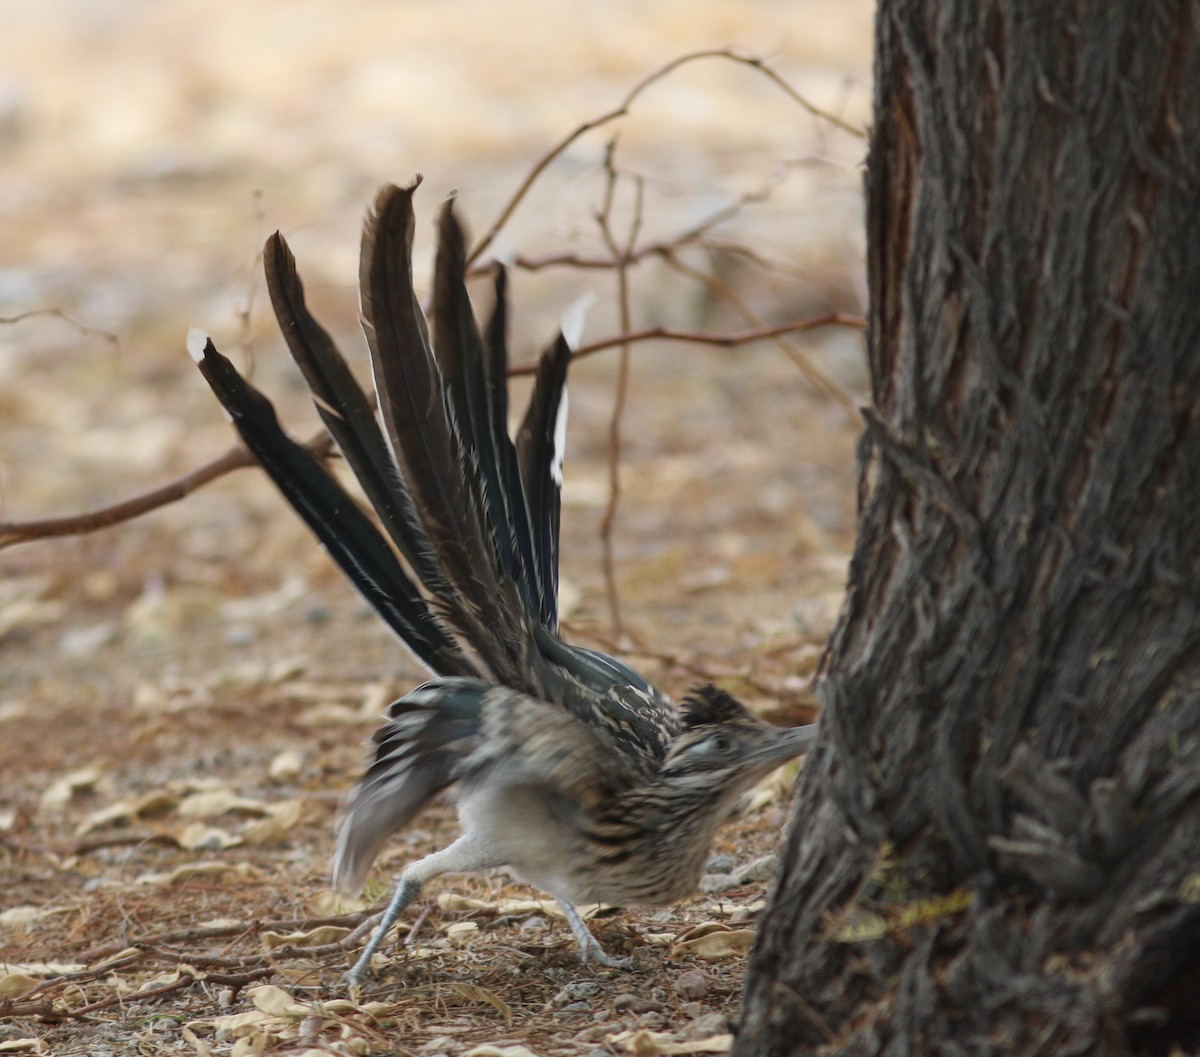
{"points": [[595, 952]]}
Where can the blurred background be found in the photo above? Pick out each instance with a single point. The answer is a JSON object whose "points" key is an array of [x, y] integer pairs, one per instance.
{"points": [[148, 148]]}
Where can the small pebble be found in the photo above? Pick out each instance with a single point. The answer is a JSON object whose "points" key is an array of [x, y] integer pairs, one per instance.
{"points": [[721, 864], [707, 1026], [759, 870], [693, 985], [717, 882], [576, 991], [636, 1004]]}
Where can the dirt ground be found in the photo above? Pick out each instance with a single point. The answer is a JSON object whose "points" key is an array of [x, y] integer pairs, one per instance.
{"points": [[184, 697]]}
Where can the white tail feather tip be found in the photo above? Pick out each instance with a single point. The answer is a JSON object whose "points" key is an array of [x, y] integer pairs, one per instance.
{"points": [[573, 318], [197, 342]]}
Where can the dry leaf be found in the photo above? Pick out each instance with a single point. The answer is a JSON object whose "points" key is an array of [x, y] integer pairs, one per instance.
{"points": [[329, 714], [214, 802], [645, 1043], [252, 1044], [203, 1049], [14, 985], [491, 1050], [196, 836], [281, 819], [286, 766], [713, 940], [460, 930], [126, 811], [331, 904], [62, 790], [276, 1002], [45, 968], [18, 917], [474, 993], [233, 1023], [24, 1046], [317, 937], [196, 869], [454, 901]]}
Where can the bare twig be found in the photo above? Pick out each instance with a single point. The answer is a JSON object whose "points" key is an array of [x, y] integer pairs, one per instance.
{"points": [[237, 457], [636, 254], [700, 337], [620, 255], [70, 320], [622, 109]]}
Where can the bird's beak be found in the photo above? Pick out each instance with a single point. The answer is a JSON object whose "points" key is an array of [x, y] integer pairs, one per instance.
{"points": [[785, 746]]}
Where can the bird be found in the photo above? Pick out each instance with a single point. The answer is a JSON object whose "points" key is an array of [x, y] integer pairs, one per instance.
{"points": [[570, 767]]}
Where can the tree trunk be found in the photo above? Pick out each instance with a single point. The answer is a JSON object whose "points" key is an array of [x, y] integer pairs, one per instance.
{"points": [[997, 847]]}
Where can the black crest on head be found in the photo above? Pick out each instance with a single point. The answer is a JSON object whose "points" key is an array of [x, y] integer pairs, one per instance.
{"points": [[707, 704]]}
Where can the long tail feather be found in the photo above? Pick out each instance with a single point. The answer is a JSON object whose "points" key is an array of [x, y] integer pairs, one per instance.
{"points": [[508, 469], [338, 522], [459, 349], [540, 449], [428, 442], [345, 409]]}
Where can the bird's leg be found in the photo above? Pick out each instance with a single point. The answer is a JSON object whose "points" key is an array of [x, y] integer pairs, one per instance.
{"points": [[590, 948], [463, 856]]}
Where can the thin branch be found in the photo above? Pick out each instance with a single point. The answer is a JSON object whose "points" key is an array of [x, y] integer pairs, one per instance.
{"points": [[622, 109], [635, 255], [236, 458], [621, 257], [70, 320], [699, 337]]}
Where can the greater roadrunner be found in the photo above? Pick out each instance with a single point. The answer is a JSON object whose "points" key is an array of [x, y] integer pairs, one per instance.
{"points": [[571, 768]]}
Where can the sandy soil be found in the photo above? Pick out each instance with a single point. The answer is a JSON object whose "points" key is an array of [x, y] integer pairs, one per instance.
{"points": [[183, 698]]}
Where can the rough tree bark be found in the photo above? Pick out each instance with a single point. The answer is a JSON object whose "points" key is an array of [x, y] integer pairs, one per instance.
{"points": [[997, 845]]}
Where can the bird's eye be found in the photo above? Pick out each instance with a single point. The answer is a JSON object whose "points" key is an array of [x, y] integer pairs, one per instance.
{"points": [[720, 743]]}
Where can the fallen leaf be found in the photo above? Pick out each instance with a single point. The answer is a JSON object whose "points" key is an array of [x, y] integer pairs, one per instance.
{"points": [[454, 901], [460, 930], [213, 802], [45, 968], [474, 993], [330, 904], [328, 715], [14, 985], [126, 811], [18, 917], [196, 869], [721, 942], [286, 766], [252, 1044], [489, 1049], [645, 1043], [276, 1002], [281, 819], [24, 1046], [203, 1049], [196, 836], [233, 1023], [64, 789], [317, 937]]}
